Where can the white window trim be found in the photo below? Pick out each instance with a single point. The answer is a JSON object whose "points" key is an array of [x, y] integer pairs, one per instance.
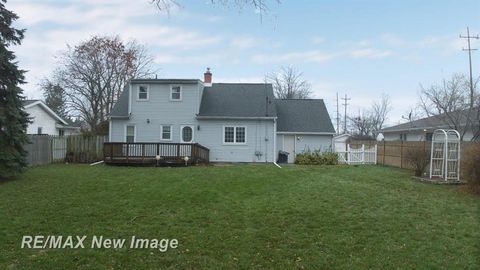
{"points": [[134, 133], [161, 132], [193, 133], [171, 92], [138, 92], [234, 135]]}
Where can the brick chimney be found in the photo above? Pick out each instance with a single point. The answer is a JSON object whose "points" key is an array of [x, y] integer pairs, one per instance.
{"points": [[207, 77]]}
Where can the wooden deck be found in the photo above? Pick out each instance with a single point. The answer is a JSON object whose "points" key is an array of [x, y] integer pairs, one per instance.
{"points": [[154, 153]]}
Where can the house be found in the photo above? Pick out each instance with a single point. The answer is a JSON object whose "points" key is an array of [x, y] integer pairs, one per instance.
{"points": [[341, 141], [422, 129], [45, 121], [237, 122]]}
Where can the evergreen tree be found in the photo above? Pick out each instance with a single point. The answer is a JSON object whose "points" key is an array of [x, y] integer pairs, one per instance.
{"points": [[13, 119]]}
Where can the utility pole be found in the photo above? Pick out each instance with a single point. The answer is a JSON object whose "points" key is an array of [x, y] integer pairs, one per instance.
{"points": [[469, 49], [345, 100], [338, 117]]}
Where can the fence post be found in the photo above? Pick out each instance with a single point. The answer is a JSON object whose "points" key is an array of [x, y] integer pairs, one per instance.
{"points": [[348, 154], [401, 154], [376, 154], [363, 153], [384, 153]]}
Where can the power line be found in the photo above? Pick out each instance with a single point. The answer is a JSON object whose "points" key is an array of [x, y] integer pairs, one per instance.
{"points": [[345, 100], [469, 49]]}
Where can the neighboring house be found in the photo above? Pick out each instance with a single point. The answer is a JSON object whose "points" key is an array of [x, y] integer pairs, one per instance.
{"points": [[238, 122], [422, 129], [45, 121], [341, 141]]}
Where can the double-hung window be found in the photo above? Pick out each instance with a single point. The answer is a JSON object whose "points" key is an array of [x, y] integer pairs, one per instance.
{"points": [[130, 134], [176, 93], [166, 132], [234, 135], [142, 93]]}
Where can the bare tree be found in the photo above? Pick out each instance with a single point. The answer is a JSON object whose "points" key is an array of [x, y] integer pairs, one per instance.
{"points": [[262, 6], [289, 84], [368, 122], [362, 124], [451, 102], [95, 72], [380, 111]]}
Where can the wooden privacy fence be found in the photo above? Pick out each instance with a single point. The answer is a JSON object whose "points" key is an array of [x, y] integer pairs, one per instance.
{"points": [[44, 149], [85, 149], [394, 153]]}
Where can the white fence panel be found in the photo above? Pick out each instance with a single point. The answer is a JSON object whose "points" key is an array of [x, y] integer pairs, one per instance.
{"points": [[357, 156]]}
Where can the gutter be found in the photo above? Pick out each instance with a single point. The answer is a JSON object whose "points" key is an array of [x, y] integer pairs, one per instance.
{"points": [[234, 118], [305, 133]]}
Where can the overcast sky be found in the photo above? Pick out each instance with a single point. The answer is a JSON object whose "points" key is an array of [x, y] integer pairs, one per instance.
{"points": [[360, 48]]}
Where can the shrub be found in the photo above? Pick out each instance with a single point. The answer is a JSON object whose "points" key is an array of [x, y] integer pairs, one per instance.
{"points": [[470, 168], [418, 158], [317, 158]]}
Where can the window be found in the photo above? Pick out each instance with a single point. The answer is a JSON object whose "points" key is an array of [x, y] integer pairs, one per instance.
{"points": [[229, 135], [187, 134], [234, 135], [61, 132], [403, 136], [166, 132], [176, 93], [39, 130], [130, 134], [429, 136], [240, 134], [142, 92]]}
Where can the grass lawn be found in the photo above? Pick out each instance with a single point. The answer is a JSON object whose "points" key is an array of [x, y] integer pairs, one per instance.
{"points": [[245, 216]]}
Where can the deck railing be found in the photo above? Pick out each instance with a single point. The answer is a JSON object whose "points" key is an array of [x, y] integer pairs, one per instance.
{"points": [[144, 153]]}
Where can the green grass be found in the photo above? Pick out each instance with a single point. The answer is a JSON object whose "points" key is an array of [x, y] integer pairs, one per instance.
{"points": [[246, 216]]}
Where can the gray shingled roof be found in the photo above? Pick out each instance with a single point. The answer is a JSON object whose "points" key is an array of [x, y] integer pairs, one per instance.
{"points": [[121, 107], [430, 123], [237, 100], [303, 115]]}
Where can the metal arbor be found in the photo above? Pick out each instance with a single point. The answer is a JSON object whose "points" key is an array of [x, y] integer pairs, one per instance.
{"points": [[445, 155]]}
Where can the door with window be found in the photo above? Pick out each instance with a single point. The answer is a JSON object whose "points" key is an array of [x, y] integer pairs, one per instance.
{"points": [[186, 136]]}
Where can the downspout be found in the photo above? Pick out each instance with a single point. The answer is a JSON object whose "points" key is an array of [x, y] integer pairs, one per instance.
{"points": [[275, 142]]}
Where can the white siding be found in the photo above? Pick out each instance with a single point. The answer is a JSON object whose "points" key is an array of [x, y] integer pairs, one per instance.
{"points": [[41, 118], [159, 110], [306, 142], [259, 138]]}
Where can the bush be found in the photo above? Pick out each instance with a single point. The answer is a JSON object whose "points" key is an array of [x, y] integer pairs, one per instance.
{"points": [[470, 168], [317, 158], [418, 158]]}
